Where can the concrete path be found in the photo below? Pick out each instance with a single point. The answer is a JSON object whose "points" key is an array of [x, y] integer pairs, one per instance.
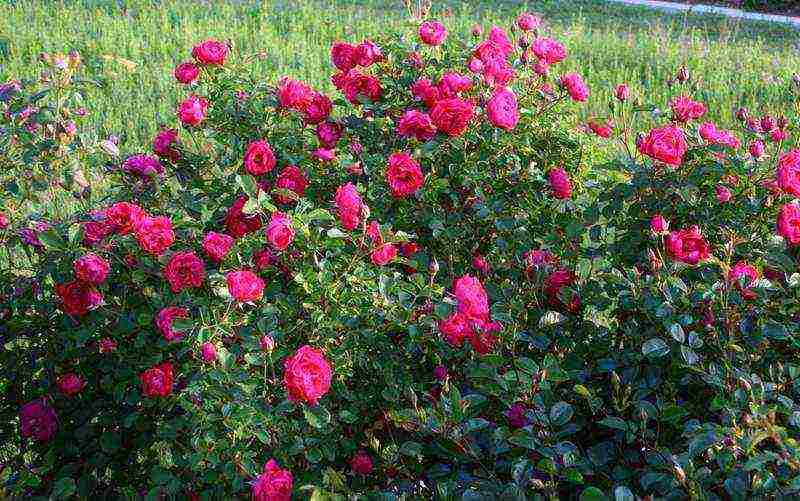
{"points": [[711, 9]]}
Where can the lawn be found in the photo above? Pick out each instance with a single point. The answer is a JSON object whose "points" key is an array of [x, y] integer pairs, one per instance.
{"points": [[133, 45]]}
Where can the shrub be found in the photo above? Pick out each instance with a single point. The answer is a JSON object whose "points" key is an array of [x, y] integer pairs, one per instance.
{"points": [[419, 288]]}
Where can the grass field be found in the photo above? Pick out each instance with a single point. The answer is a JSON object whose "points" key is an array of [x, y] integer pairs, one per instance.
{"points": [[735, 64]]}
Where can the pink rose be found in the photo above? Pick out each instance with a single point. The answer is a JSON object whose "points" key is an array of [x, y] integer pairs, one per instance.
{"points": [[361, 463], [502, 109], [294, 94], [209, 352], [367, 53], [291, 178], [604, 130], [549, 50], [70, 384], [38, 420], [186, 72], [324, 154], [452, 116], [307, 375], [416, 124], [124, 217], [164, 144], [723, 194], [349, 206], [329, 134], [91, 269], [665, 144], [500, 39], [259, 158], [560, 183], [107, 345], [264, 258], [575, 86], [357, 84], [742, 270], [343, 56], [184, 270], [536, 258], [157, 381], [789, 223], [155, 234], [688, 246], [471, 297], [479, 263], [318, 109], [659, 225], [528, 22], [622, 92], [280, 231], [424, 90], [210, 52], [383, 254], [685, 109], [274, 484], [452, 84], [404, 175], [217, 245], [788, 175], [141, 165], [455, 329], [163, 321], [432, 33], [245, 286], [192, 111]]}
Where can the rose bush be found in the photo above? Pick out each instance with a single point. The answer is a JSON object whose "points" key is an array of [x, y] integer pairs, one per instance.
{"points": [[423, 286]]}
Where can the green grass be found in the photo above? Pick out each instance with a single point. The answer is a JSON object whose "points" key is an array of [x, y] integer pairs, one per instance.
{"points": [[734, 64]]}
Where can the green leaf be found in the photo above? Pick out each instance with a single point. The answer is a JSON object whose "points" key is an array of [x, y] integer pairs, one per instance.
{"points": [[317, 416], [774, 330], [336, 233], [655, 348], [52, 240], [319, 215], [614, 422], [561, 413], [64, 488], [622, 493], [248, 185], [676, 331], [413, 449], [592, 494]]}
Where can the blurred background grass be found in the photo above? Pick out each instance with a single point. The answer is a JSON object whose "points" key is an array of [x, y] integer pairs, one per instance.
{"points": [[133, 46]]}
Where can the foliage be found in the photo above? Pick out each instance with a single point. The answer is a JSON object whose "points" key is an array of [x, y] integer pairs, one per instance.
{"points": [[457, 305]]}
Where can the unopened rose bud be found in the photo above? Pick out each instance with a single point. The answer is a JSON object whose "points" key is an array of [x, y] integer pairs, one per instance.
{"points": [[523, 41], [615, 381], [109, 147], [655, 262], [267, 343], [783, 122], [433, 267], [683, 74], [742, 114], [622, 92], [796, 79], [679, 473], [477, 30]]}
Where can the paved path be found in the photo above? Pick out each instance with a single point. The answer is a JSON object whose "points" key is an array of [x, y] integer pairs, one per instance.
{"points": [[710, 9]]}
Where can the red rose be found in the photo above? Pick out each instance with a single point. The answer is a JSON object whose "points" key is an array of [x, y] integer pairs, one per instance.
{"points": [[70, 384], [259, 158], [274, 484], [217, 245], [685, 109], [403, 175], [357, 84], [789, 223], [77, 298], [38, 420], [318, 109], [452, 116], [210, 52], [95, 231], [367, 53], [502, 109], [665, 144], [245, 286], [291, 178], [307, 375], [294, 94], [343, 56], [155, 234], [328, 134], [424, 90], [789, 172], [361, 463], [157, 381], [280, 231], [237, 223], [124, 217], [184, 270]]}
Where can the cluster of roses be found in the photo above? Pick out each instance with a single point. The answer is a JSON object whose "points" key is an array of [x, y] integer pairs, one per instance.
{"points": [[471, 321]]}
